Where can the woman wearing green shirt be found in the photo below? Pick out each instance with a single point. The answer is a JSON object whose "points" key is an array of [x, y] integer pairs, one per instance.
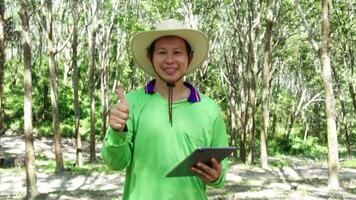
{"points": [[154, 128]]}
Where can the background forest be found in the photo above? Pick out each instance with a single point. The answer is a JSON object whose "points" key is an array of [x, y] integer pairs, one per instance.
{"points": [[266, 69]]}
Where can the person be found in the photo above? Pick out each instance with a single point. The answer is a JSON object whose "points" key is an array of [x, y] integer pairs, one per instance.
{"points": [[154, 128]]}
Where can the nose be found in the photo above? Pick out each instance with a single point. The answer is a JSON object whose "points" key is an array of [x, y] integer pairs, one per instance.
{"points": [[169, 59]]}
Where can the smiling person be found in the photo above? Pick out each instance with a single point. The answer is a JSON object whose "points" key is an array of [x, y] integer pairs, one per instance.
{"points": [[154, 128]]}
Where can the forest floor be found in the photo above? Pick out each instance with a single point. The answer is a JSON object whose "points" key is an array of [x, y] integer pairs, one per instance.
{"points": [[288, 178]]}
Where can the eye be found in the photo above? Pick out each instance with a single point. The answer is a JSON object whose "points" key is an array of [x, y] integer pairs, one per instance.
{"points": [[161, 52], [178, 52]]}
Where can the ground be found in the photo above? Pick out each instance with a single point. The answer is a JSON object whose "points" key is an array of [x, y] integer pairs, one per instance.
{"points": [[288, 178]]}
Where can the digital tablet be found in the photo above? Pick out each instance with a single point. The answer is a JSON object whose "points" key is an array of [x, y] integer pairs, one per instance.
{"points": [[203, 155]]}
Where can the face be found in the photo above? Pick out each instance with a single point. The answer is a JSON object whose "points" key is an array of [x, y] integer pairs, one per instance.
{"points": [[170, 58]]}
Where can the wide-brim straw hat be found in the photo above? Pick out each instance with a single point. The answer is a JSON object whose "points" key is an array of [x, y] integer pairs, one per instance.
{"points": [[197, 40]]}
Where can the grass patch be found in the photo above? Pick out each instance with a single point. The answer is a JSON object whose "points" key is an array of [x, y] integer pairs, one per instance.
{"points": [[349, 163], [46, 165], [279, 163], [90, 168]]}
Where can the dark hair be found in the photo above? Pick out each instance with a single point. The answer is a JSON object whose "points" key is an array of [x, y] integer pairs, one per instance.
{"points": [[151, 49]]}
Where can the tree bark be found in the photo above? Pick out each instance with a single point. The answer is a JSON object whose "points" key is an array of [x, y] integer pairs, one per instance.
{"points": [[74, 46], [91, 55], [333, 154], [323, 53], [2, 57], [352, 94], [266, 77], [53, 88], [344, 122], [106, 42], [31, 179], [254, 11], [236, 74]]}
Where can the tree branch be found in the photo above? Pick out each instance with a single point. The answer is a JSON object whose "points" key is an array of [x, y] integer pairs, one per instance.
{"points": [[307, 28]]}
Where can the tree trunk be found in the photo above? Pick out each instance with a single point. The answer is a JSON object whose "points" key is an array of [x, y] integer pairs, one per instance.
{"points": [[243, 132], [333, 154], [45, 102], [104, 98], [74, 46], [92, 92], [343, 120], [31, 180], [105, 62], [91, 52], [266, 77], [323, 52], [2, 57], [53, 88], [254, 11], [346, 127], [352, 94]]}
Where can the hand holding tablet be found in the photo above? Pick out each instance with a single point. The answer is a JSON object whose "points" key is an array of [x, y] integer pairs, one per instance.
{"points": [[203, 155]]}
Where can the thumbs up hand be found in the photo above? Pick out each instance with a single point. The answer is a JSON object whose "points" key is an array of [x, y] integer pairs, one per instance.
{"points": [[119, 112]]}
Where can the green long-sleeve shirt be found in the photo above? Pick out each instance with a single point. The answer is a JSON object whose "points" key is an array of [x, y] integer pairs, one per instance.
{"points": [[151, 147]]}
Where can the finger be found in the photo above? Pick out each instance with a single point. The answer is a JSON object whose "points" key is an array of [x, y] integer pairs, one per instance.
{"points": [[211, 173], [120, 108], [216, 165], [121, 96], [118, 112], [117, 120], [202, 174], [123, 108], [204, 167], [117, 126]]}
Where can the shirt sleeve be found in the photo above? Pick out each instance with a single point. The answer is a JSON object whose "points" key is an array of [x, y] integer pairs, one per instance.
{"points": [[117, 148], [220, 140]]}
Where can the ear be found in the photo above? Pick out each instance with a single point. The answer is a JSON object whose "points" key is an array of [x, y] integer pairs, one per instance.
{"points": [[190, 57], [149, 57]]}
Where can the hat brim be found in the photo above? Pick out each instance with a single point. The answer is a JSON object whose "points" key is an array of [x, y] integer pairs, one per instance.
{"points": [[197, 40]]}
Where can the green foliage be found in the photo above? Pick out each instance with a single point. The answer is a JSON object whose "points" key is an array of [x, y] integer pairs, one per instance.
{"points": [[67, 130], [295, 145]]}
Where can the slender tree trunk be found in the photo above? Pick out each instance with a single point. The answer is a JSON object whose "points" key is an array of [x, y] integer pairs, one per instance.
{"points": [[352, 94], [117, 63], [243, 133], [346, 127], [74, 46], [2, 57], [333, 154], [105, 61], [266, 77], [104, 98], [92, 92], [53, 87], [344, 121], [91, 52], [254, 11], [323, 52], [237, 74], [31, 180], [45, 102]]}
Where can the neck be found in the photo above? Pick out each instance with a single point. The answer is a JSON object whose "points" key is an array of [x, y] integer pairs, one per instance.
{"points": [[180, 91]]}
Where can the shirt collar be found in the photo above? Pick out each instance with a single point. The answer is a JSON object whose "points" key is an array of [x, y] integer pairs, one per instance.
{"points": [[193, 97]]}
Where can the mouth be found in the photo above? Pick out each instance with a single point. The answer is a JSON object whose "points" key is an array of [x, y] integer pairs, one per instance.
{"points": [[170, 70]]}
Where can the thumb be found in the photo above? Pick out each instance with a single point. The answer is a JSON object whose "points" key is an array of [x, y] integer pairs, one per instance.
{"points": [[121, 96]]}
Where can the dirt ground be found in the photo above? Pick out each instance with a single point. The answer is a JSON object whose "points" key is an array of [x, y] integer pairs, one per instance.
{"points": [[300, 179]]}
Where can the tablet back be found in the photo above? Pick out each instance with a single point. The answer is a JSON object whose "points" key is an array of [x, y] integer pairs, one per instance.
{"points": [[200, 155]]}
